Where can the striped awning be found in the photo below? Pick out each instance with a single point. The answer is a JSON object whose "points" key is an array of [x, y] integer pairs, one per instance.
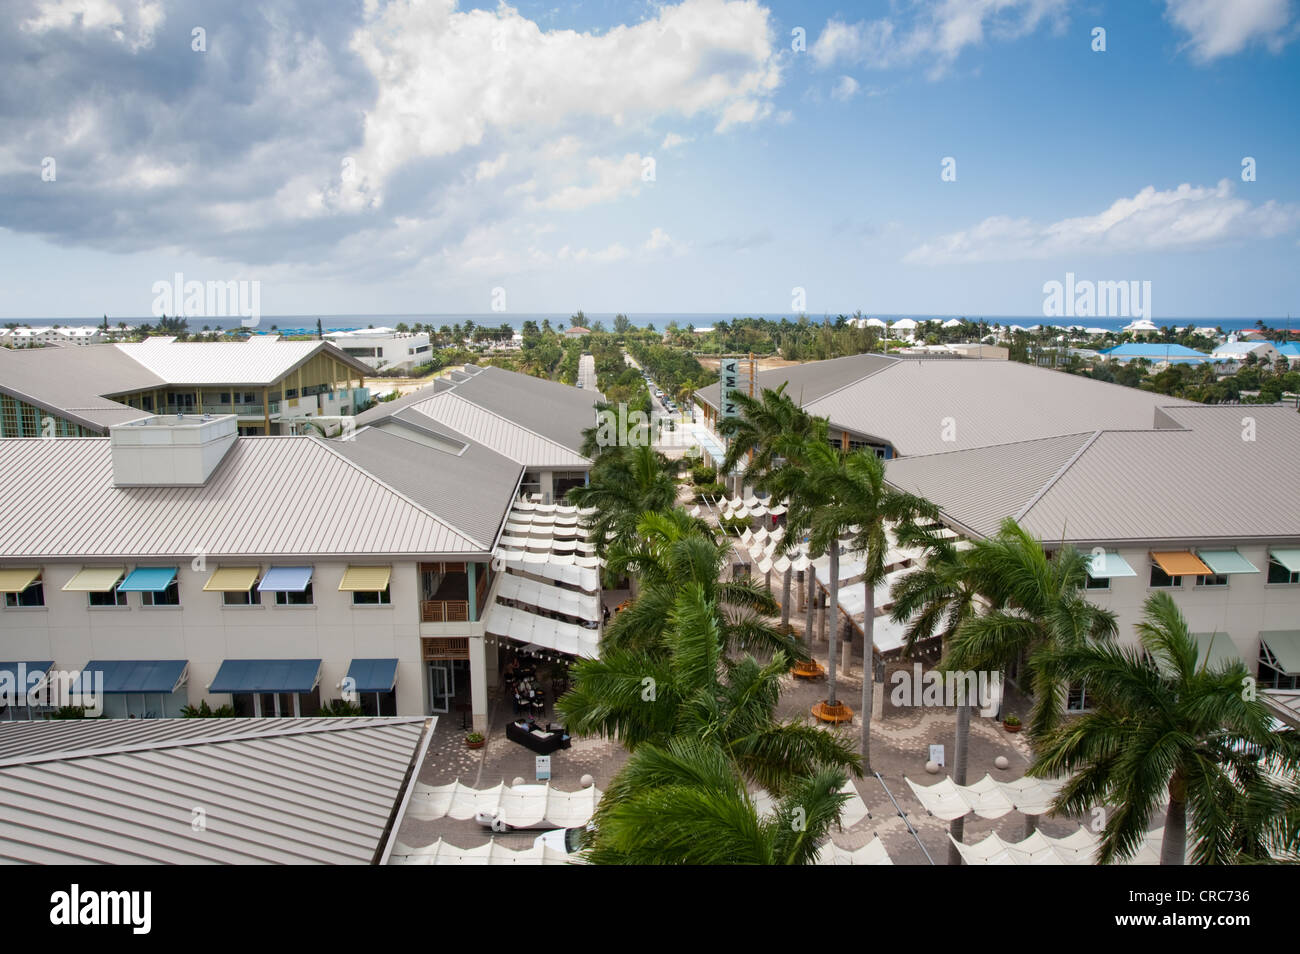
{"points": [[366, 579], [148, 579], [1181, 563], [1226, 561], [95, 579], [17, 579], [232, 579]]}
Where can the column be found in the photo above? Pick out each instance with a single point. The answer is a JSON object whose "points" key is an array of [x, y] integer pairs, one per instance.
{"points": [[478, 683], [471, 571]]}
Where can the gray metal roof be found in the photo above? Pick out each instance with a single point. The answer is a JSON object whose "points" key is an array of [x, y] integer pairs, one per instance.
{"points": [[502, 434], [270, 496], [271, 791], [1149, 486], [471, 490], [70, 382], [259, 360], [809, 382], [555, 411], [929, 406], [383, 410]]}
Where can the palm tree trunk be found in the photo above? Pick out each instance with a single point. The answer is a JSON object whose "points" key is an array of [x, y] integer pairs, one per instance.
{"points": [[868, 671], [1173, 849], [785, 597], [834, 611], [810, 609], [959, 760]]}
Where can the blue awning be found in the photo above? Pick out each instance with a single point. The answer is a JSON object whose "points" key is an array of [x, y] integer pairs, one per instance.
{"points": [[135, 675], [286, 579], [21, 678], [373, 675], [148, 579], [266, 675]]}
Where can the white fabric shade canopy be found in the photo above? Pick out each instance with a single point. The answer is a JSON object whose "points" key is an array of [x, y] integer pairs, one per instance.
{"points": [[555, 568], [1079, 848], [571, 639], [520, 806], [987, 798], [548, 597], [444, 853], [872, 853]]}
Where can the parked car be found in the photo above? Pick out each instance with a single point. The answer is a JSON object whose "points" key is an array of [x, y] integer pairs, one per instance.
{"points": [[567, 840]]}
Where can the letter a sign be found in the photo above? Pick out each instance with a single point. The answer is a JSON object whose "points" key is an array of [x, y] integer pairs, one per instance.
{"points": [[729, 371]]}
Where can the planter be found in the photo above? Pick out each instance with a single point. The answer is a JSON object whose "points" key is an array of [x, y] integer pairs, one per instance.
{"points": [[470, 744], [1011, 726]]}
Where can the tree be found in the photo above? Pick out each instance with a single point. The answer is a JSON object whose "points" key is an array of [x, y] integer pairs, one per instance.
{"points": [[672, 551], [625, 482], [1162, 721], [622, 325], [685, 804], [578, 320], [1037, 603]]}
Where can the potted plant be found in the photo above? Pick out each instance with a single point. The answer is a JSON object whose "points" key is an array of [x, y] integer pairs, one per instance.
{"points": [[475, 740], [1011, 723]]}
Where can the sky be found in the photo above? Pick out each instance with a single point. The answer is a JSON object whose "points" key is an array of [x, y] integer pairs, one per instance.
{"points": [[404, 157]]}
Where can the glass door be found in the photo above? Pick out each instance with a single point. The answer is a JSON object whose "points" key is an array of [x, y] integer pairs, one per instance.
{"points": [[442, 686]]}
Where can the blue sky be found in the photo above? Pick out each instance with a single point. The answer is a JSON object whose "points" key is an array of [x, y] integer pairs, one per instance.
{"points": [[411, 158]]}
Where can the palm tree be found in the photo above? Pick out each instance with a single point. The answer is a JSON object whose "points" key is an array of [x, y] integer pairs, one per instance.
{"points": [[763, 425], [625, 483], [860, 504], [686, 687], [1037, 603], [685, 804], [671, 551], [1162, 722]]}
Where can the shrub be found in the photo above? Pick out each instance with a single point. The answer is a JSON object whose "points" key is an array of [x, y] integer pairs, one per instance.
{"points": [[710, 490], [704, 475], [205, 711], [340, 707]]}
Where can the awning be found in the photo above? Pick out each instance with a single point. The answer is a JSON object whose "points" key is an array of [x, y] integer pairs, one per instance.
{"points": [[148, 579], [23, 677], [1181, 563], [1220, 648], [366, 579], [135, 675], [1226, 561], [286, 579], [373, 675], [232, 579], [95, 579], [1284, 644], [1104, 566], [1288, 558], [266, 675], [18, 579]]}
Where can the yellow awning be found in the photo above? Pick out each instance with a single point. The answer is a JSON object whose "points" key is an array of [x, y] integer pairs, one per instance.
{"points": [[95, 579], [366, 579], [232, 579], [1181, 563], [18, 578]]}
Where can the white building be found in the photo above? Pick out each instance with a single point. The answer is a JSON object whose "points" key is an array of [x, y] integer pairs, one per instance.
{"points": [[1236, 351], [383, 348]]}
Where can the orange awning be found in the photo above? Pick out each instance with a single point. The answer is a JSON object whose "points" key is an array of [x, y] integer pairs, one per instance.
{"points": [[1181, 563]]}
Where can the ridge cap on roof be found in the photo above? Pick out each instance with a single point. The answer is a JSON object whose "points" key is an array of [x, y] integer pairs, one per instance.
{"points": [[1023, 440], [894, 360], [1079, 452], [450, 392]]}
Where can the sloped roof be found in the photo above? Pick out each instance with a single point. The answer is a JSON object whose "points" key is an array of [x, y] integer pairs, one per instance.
{"points": [[273, 791], [270, 496], [1142, 349], [555, 411], [261, 360], [808, 382], [471, 490], [70, 382], [1129, 486], [501, 434]]}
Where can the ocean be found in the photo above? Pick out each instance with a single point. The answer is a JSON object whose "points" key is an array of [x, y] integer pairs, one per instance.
{"points": [[306, 324]]}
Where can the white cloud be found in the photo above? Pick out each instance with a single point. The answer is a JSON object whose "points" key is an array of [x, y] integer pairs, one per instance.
{"points": [[490, 168], [604, 256], [610, 179], [935, 34], [1183, 218], [845, 89], [672, 141], [1217, 28], [130, 22]]}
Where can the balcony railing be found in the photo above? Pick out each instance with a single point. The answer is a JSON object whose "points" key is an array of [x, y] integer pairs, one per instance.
{"points": [[444, 611]]}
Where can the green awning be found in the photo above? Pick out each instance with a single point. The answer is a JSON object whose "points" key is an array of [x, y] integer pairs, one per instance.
{"points": [[1284, 644], [1226, 561], [1288, 558], [1104, 566], [1220, 647]]}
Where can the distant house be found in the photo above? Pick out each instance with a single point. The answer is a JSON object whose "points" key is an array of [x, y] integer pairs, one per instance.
{"points": [[1237, 351], [1153, 352], [576, 332]]}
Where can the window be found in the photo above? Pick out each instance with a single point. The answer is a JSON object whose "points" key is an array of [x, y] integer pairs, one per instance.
{"points": [[1159, 578], [1097, 583], [284, 598], [1076, 699], [1277, 573], [1215, 579], [249, 597], [1271, 673], [34, 595], [110, 598], [168, 597], [371, 597]]}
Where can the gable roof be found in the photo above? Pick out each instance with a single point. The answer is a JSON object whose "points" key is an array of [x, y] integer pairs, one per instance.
{"points": [[70, 382], [269, 497], [499, 433], [808, 382], [1154, 485], [260, 360]]}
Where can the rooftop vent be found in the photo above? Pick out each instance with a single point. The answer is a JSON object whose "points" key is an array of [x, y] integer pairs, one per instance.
{"points": [[180, 450]]}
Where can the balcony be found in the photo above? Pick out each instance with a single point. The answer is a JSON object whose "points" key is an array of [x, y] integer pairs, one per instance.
{"points": [[444, 611]]}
